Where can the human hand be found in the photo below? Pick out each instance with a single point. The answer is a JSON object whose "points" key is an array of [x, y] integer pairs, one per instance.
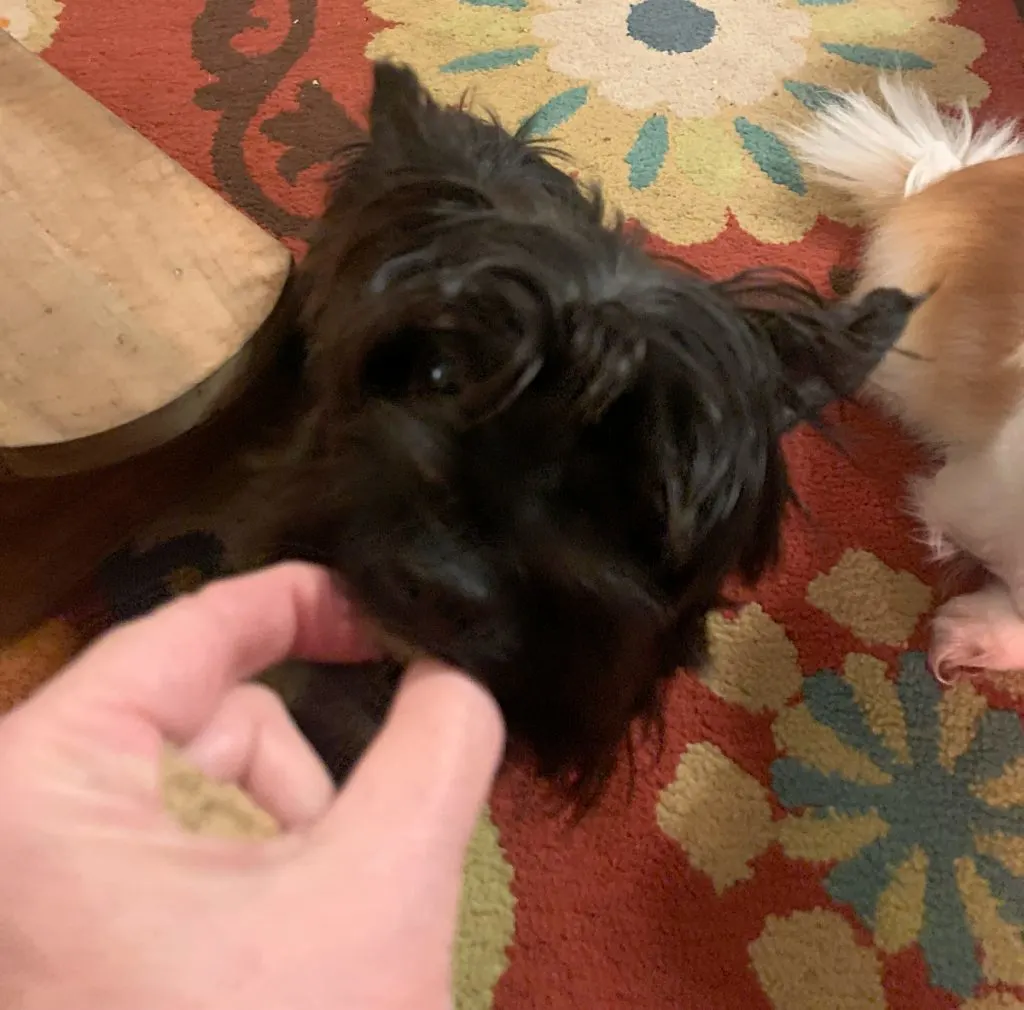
{"points": [[106, 903]]}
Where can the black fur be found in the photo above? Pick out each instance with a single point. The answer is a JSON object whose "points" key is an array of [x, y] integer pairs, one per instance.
{"points": [[530, 449]]}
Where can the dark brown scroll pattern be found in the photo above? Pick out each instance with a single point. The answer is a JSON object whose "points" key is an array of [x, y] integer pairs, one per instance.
{"points": [[310, 133]]}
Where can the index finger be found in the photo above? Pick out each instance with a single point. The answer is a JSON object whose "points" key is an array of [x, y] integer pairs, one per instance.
{"points": [[172, 667]]}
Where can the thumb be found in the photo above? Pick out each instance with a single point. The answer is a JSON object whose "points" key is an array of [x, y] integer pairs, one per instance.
{"points": [[427, 774]]}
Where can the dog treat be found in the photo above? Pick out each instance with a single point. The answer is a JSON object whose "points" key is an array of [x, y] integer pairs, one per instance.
{"points": [[205, 807]]}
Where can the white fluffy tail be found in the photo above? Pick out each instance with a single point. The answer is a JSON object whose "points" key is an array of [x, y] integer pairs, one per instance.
{"points": [[881, 155]]}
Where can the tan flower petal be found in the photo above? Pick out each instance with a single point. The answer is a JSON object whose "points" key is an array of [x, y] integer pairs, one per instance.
{"points": [[1010, 681], [914, 12], [752, 661], [1008, 849], [959, 711], [877, 604], [1006, 790], [711, 151], [487, 922], [811, 960], [831, 838], [600, 135], [900, 912], [718, 813], [994, 1001], [1002, 947], [401, 11], [801, 736], [879, 700], [886, 24], [452, 32], [32, 22]]}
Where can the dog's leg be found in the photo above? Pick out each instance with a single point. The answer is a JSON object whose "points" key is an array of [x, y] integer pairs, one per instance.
{"points": [[977, 503], [981, 630]]}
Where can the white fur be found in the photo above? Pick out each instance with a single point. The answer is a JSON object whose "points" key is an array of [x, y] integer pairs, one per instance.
{"points": [[883, 154], [977, 501]]}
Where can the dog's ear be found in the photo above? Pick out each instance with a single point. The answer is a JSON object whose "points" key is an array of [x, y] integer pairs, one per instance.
{"points": [[830, 355], [824, 350], [400, 105]]}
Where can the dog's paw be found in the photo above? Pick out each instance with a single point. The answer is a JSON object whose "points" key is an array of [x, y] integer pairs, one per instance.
{"points": [[977, 631]]}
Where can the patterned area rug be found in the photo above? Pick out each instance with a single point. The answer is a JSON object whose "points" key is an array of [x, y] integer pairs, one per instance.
{"points": [[827, 828]]}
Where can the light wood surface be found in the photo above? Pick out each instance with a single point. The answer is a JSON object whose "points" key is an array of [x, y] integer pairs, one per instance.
{"points": [[55, 532], [129, 290]]}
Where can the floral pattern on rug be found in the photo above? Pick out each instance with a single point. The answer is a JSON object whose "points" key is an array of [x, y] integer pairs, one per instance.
{"points": [[645, 96], [907, 799], [31, 22], [486, 929]]}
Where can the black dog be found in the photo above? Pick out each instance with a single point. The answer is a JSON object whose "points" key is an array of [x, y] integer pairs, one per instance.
{"points": [[529, 449]]}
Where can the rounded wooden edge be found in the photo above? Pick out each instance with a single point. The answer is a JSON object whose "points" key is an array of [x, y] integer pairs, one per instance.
{"points": [[208, 397]]}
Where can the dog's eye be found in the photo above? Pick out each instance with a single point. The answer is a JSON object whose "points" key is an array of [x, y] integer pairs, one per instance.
{"points": [[443, 376], [413, 364]]}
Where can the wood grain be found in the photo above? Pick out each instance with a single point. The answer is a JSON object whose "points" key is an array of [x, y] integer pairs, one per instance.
{"points": [[130, 289], [55, 532]]}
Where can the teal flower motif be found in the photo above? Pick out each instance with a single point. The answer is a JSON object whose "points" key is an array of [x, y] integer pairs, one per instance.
{"points": [[647, 154], [771, 155], [814, 96], [673, 105], [493, 59], [554, 112], [929, 804], [878, 56]]}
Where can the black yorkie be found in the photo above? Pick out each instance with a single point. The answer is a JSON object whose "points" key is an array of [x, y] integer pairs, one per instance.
{"points": [[528, 448]]}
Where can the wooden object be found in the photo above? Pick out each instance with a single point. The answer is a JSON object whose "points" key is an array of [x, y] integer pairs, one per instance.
{"points": [[55, 531], [129, 291]]}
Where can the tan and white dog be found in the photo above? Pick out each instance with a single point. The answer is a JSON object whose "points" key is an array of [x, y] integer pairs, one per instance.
{"points": [[945, 207]]}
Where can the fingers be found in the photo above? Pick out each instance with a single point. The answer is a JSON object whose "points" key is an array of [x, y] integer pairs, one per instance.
{"points": [[424, 779], [252, 741], [172, 668]]}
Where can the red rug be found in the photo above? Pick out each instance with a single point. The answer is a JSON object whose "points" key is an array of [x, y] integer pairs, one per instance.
{"points": [[827, 828]]}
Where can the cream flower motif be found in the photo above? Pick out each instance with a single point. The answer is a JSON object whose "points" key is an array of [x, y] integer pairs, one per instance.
{"points": [[674, 105], [811, 960], [32, 22], [667, 45], [486, 926], [994, 1001], [721, 840], [877, 604]]}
